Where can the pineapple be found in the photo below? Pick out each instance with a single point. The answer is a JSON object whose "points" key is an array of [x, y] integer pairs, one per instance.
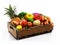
{"points": [[11, 13]]}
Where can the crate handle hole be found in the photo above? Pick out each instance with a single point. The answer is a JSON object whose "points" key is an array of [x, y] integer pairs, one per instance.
{"points": [[12, 28]]}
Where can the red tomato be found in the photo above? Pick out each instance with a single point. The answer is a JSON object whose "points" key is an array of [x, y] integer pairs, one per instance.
{"points": [[30, 24], [23, 22]]}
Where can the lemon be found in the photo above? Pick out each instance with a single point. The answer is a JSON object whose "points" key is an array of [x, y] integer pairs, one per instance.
{"points": [[19, 27]]}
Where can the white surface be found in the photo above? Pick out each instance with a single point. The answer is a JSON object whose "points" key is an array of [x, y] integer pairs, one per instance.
{"points": [[47, 7]]}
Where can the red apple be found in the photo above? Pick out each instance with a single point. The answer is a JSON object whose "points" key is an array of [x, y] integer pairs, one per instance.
{"points": [[30, 24], [23, 22]]}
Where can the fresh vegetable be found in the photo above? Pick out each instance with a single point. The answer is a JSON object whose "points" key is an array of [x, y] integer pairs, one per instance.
{"points": [[19, 27], [23, 22], [36, 22], [22, 14], [37, 16], [30, 24], [26, 28], [30, 19], [28, 16]]}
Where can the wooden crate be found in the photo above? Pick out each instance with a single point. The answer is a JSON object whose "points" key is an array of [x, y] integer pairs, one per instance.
{"points": [[32, 31]]}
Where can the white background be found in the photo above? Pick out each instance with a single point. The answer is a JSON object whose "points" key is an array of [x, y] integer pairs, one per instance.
{"points": [[48, 7]]}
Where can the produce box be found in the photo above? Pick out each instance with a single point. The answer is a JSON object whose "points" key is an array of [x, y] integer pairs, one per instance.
{"points": [[33, 31], [25, 25]]}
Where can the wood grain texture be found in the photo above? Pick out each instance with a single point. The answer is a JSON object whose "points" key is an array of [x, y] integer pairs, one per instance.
{"points": [[36, 30]]}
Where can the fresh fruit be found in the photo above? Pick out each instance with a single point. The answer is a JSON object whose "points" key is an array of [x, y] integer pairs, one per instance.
{"points": [[49, 19], [15, 21], [45, 21], [30, 19], [19, 27], [42, 18], [22, 14], [36, 22], [10, 12], [37, 16], [45, 18], [26, 20], [30, 24], [28, 16], [41, 23], [23, 22]]}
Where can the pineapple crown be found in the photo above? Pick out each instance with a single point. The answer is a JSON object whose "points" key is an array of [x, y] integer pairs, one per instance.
{"points": [[10, 12]]}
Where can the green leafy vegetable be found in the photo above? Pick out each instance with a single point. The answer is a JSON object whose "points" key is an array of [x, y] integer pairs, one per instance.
{"points": [[22, 14]]}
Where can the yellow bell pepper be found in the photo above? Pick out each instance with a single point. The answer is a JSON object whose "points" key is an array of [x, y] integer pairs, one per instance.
{"points": [[29, 16]]}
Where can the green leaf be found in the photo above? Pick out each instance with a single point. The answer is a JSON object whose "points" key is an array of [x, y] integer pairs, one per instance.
{"points": [[27, 27], [10, 11]]}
